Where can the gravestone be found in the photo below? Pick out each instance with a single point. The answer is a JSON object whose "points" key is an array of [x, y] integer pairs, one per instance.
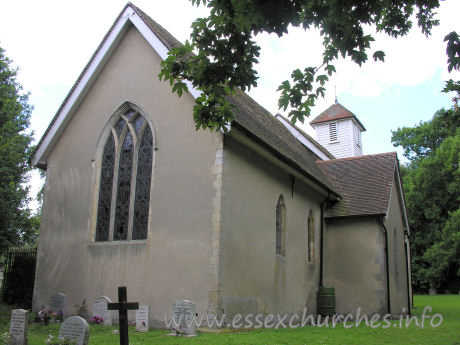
{"points": [[75, 328], [82, 310], [18, 327], [183, 318], [58, 303], [142, 318], [100, 309]]}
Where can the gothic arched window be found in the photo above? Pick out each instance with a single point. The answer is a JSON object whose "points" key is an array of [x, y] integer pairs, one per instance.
{"points": [[281, 227], [125, 179], [311, 237]]}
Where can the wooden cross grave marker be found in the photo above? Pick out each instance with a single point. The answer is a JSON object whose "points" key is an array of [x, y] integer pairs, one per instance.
{"points": [[122, 306]]}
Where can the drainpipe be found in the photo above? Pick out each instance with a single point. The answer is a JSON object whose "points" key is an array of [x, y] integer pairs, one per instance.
{"points": [[321, 241], [385, 232], [406, 247]]}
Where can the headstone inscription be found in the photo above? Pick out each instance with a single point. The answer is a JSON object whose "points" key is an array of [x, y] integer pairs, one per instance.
{"points": [[183, 318], [58, 303], [75, 328], [100, 309], [18, 327], [123, 306], [142, 318]]}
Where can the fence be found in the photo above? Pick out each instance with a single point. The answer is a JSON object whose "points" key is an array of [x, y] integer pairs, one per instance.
{"points": [[19, 277]]}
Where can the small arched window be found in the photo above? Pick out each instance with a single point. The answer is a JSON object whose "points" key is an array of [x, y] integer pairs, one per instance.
{"points": [[311, 237], [125, 179], [281, 227]]}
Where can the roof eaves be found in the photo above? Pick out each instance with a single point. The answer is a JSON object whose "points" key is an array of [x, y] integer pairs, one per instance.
{"points": [[362, 215]]}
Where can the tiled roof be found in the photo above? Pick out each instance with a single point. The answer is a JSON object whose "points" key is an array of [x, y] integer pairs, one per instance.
{"points": [[335, 112], [363, 182], [261, 123], [163, 35], [256, 119], [249, 114]]}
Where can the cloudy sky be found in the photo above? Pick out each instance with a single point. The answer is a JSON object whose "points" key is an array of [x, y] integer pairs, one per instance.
{"points": [[51, 42]]}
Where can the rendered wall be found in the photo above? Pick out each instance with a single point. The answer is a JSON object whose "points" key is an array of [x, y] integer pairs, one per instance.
{"points": [[173, 262], [397, 255], [355, 264], [255, 279]]}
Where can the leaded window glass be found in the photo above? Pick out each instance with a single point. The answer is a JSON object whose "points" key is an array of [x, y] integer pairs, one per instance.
{"points": [[281, 227], [120, 126], [125, 168], [311, 237], [125, 180], [144, 175], [105, 191], [138, 124]]}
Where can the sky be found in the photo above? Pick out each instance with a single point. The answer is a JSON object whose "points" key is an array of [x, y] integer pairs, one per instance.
{"points": [[51, 42]]}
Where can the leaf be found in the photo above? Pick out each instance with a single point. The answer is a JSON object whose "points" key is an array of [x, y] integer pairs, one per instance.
{"points": [[180, 88], [322, 79], [330, 69], [379, 55]]}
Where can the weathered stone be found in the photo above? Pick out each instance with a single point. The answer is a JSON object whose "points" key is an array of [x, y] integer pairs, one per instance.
{"points": [[75, 328], [18, 327], [142, 318], [100, 309], [58, 303], [183, 318], [82, 310]]}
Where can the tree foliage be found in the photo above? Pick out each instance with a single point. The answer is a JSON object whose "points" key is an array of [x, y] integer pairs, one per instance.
{"points": [[432, 184], [222, 53], [17, 225]]}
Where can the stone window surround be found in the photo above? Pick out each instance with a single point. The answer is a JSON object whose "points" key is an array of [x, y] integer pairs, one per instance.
{"points": [[109, 127]]}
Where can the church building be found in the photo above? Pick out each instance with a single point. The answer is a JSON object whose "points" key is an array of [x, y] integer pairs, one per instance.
{"points": [[252, 221]]}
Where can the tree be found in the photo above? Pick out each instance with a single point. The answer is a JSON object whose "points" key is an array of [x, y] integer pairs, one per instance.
{"points": [[220, 58], [17, 225], [432, 183]]}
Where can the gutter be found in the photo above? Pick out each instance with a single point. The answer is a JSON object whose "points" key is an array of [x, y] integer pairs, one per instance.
{"points": [[385, 232], [406, 248]]}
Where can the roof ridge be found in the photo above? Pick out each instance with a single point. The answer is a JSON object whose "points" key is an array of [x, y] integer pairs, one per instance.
{"points": [[360, 157]]}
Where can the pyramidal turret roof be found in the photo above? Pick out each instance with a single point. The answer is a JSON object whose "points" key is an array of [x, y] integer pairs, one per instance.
{"points": [[335, 112]]}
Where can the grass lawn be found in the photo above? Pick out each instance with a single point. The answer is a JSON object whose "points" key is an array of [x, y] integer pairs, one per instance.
{"points": [[447, 333]]}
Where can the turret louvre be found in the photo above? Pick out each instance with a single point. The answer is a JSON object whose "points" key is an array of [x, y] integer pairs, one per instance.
{"points": [[339, 131]]}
